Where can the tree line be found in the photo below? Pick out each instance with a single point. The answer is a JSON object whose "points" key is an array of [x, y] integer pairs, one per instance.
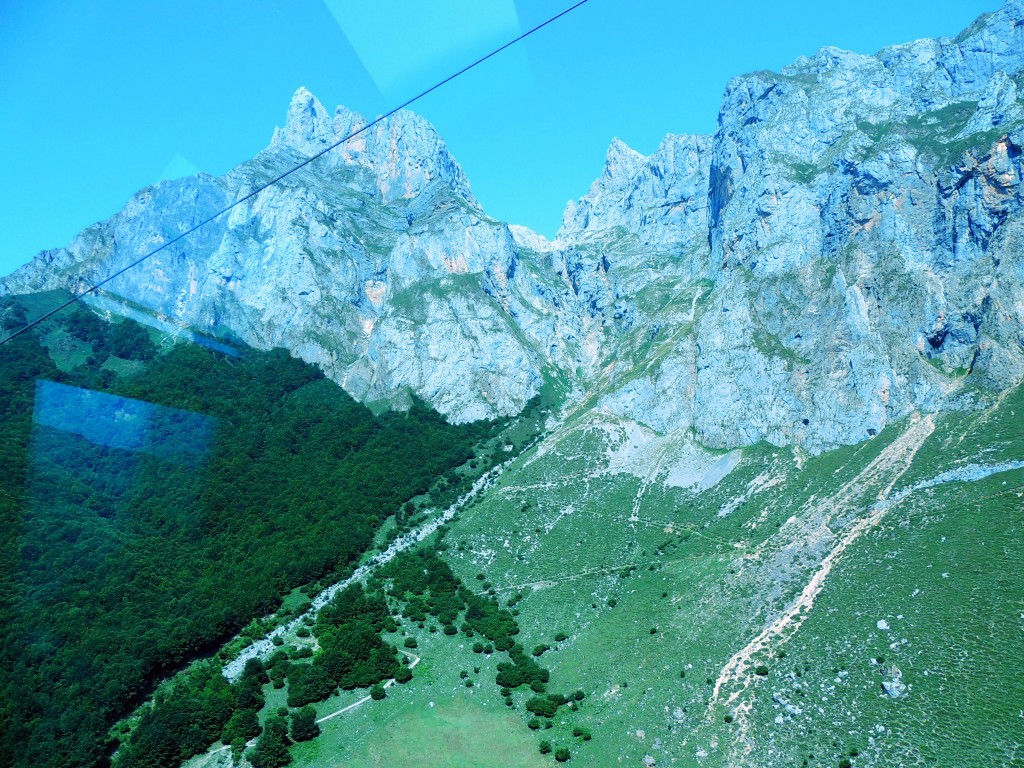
{"points": [[120, 566]]}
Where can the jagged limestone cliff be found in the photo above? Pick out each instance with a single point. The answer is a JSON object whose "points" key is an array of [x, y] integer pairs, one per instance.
{"points": [[844, 250]]}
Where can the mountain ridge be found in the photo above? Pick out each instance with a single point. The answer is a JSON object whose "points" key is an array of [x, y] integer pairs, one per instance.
{"points": [[842, 252]]}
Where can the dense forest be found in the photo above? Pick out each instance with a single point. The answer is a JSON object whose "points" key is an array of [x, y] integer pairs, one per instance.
{"points": [[153, 503], [201, 708]]}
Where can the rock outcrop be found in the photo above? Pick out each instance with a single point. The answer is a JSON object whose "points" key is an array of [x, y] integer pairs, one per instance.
{"points": [[845, 249]]}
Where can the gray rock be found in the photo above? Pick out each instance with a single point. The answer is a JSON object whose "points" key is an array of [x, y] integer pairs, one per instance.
{"points": [[847, 248], [894, 688]]}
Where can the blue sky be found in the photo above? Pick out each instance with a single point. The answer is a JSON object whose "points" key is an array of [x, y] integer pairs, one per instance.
{"points": [[102, 97]]}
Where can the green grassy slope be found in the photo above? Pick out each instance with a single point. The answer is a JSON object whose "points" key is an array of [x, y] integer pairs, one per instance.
{"points": [[661, 589]]}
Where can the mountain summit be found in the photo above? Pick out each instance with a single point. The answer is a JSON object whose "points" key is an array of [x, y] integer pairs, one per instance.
{"points": [[403, 152], [846, 249]]}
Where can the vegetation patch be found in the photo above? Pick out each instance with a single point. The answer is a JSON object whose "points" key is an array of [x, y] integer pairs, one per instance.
{"points": [[123, 562]]}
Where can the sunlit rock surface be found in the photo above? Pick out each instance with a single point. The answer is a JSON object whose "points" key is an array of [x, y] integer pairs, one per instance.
{"points": [[845, 249]]}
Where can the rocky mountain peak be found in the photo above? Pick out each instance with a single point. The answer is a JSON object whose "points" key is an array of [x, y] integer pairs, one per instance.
{"points": [[308, 127], [620, 159], [846, 249], [933, 72], [660, 198], [403, 152]]}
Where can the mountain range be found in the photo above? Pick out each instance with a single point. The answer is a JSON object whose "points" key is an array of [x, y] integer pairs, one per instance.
{"points": [[842, 251], [771, 511]]}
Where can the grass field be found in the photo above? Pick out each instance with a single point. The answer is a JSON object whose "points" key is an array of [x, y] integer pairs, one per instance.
{"points": [[433, 721], [658, 587], [935, 591], [738, 609]]}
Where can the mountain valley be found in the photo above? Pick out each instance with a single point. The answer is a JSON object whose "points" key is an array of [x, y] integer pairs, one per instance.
{"points": [[736, 454]]}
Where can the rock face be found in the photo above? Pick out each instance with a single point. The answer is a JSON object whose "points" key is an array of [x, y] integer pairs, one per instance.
{"points": [[845, 249], [374, 262]]}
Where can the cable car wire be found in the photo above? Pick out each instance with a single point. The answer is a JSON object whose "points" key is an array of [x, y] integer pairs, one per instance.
{"points": [[290, 171]]}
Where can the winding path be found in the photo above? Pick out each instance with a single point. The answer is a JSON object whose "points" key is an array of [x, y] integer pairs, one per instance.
{"points": [[263, 648], [388, 684], [415, 660]]}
